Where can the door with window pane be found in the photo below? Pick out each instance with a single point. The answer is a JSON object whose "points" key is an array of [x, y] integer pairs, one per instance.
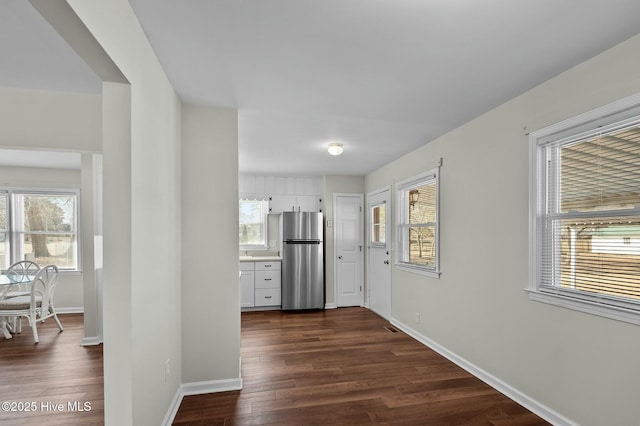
{"points": [[379, 267]]}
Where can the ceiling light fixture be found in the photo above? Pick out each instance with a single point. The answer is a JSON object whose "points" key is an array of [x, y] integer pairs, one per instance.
{"points": [[335, 148]]}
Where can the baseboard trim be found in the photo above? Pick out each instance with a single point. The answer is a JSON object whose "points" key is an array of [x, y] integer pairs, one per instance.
{"points": [[529, 403], [77, 310], [91, 341], [211, 386], [330, 306], [173, 408], [197, 388]]}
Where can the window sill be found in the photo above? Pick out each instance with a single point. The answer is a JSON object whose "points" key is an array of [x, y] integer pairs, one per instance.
{"points": [[607, 311], [249, 247], [418, 270], [69, 272]]}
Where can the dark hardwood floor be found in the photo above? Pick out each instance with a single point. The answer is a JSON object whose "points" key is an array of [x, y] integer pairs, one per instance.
{"points": [[340, 366], [36, 379], [346, 366]]}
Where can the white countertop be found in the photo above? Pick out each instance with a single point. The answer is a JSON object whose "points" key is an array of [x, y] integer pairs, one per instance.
{"points": [[260, 258]]}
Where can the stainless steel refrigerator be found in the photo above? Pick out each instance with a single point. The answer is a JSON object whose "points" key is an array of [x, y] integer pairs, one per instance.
{"points": [[302, 260]]}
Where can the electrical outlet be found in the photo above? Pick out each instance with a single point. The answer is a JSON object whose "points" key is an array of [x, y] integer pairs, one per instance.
{"points": [[417, 318]]}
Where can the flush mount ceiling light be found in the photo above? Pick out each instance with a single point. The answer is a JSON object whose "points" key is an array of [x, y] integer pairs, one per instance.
{"points": [[335, 148]]}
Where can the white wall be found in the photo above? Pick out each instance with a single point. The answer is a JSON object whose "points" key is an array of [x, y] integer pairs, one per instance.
{"points": [[142, 321], [266, 185], [46, 120], [582, 367], [210, 283]]}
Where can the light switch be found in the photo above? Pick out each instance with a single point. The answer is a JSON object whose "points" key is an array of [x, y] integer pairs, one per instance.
{"points": [[329, 224]]}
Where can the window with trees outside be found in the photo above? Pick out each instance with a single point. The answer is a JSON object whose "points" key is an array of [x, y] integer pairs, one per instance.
{"points": [[253, 224], [41, 226], [378, 222], [418, 231], [586, 213]]}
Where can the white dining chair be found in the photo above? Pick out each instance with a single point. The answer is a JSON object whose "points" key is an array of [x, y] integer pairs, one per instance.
{"points": [[20, 274], [38, 304]]}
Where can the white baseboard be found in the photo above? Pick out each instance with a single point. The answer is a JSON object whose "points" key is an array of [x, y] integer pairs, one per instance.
{"points": [[331, 306], [77, 310], [197, 388], [529, 403], [91, 341]]}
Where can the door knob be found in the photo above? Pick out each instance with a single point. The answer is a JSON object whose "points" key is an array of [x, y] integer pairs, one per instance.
{"points": [[386, 262], [339, 257]]}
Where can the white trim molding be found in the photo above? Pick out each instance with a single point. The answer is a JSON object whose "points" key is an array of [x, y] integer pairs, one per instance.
{"points": [[71, 310], [198, 388], [91, 341], [526, 401]]}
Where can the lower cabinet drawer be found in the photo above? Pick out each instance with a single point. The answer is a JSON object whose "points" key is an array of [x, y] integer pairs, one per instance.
{"points": [[267, 279], [267, 297]]}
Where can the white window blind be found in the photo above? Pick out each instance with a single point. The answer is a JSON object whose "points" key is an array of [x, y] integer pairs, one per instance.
{"points": [[253, 224], [588, 216]]}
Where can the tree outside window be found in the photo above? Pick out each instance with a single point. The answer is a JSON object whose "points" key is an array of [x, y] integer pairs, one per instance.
{"points": [[422, 219], [253, 224], [46, 229], [418, 235], [41, 226]]}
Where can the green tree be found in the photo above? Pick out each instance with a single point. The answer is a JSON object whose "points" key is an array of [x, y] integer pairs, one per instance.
{"points": [[42, 214]]}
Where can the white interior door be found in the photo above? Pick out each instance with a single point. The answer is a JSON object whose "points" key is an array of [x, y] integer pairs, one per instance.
{"points": [[349, 257], [379, 243]]}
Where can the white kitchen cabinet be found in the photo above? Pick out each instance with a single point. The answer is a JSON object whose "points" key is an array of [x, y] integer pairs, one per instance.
{"points": [[267, 284], [260, 284], [247, 285], [290, 203], [308, 203]]}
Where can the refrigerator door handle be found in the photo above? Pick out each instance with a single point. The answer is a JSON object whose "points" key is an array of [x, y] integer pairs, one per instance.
{"points": [[303, 242]]}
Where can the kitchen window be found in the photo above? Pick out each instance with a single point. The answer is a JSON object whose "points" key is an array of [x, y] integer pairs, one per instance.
{"points": [[253, 224], [41, 226], [585, 213], [418, 230]]}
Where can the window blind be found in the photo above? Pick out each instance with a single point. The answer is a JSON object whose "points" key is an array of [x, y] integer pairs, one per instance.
{"points": [[589, 217]]}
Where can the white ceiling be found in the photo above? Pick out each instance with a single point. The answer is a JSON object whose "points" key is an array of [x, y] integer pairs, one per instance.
{"points": [[381, 76], [35, 56]]}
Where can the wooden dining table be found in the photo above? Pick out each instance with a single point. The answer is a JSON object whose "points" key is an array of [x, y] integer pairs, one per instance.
{"points": [[7, 282]]}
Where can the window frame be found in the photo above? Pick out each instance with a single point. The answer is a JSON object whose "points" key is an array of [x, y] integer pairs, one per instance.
{"points": [[372, 231], [13, 235], [402, 223], [617, 114], [265, 224], [6, 233]]}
